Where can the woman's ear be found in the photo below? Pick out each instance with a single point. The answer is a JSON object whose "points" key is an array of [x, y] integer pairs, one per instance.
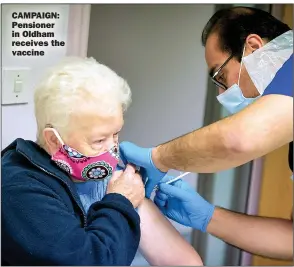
{"points": [[253, 42], [52, 142]]}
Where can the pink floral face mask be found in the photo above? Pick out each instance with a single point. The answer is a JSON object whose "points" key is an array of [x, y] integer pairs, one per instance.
{"points": [[85, 168]]}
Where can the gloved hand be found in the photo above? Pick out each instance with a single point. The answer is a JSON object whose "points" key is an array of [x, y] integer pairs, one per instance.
{"points": [[181, 203], [131, 153]]}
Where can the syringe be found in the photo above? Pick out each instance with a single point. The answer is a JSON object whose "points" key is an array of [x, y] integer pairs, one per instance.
{"points": [[174, 179]]}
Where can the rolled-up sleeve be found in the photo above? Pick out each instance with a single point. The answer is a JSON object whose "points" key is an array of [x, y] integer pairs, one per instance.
{"points": [[282, 84]]}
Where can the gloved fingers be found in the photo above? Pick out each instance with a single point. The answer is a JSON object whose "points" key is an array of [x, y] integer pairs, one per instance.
{"points": [[128, 153], [187, 187], [181, 184], [159, 202], [166, 178], [122, 157], [161, 195], [178, 183], [173, 191], [122, 153]]}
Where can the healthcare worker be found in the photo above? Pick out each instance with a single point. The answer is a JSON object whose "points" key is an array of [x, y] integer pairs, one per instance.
{"points": [[250, 57]]}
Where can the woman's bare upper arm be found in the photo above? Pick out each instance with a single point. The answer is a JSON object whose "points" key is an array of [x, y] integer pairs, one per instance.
{"points": [[161, 243]]}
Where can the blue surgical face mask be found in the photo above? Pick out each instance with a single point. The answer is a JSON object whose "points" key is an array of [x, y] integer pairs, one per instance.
{"points": [[262, 66], [233, 99]]}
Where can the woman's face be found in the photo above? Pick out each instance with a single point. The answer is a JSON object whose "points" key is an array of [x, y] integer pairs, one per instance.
{"points": [[94, 134], [90, 133]]}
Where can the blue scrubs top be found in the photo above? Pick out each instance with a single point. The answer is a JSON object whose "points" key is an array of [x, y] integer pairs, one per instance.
{"points": [[282, 84]]}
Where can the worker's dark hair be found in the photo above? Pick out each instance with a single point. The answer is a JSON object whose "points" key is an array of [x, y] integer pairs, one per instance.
{"points": [[233, 25]]}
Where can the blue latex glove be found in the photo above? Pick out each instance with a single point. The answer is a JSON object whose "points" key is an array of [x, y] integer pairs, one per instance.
{"points": [[181, 203], [131, 153]]}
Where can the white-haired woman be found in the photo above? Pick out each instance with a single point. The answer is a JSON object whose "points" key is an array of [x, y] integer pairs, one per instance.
{"points": [[63, 202]]}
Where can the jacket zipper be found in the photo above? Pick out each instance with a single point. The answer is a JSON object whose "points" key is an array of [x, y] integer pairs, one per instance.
{"points": [[84, 215]]}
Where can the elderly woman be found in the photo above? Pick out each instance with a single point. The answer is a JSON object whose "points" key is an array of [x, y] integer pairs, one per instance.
{"points": [[63, 202]]}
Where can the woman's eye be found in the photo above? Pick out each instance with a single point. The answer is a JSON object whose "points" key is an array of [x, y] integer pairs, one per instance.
{"points": [[99, 141]]}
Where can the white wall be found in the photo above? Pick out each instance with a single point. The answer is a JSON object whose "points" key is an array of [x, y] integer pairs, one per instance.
{"points": [[19, 120], [157, 48]]}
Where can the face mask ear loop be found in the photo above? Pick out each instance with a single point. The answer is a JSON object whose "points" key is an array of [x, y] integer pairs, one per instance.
{"points": [[241, 65], [58, 136]]}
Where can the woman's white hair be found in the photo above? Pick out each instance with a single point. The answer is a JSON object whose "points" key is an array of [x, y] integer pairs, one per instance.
{"points": [[76, 85]]}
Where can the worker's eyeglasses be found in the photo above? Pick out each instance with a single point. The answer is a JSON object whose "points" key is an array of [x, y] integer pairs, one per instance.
{"points": [[216, 78]]}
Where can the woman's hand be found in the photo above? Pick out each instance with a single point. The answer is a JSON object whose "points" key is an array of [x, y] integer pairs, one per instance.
{"points": [[129, 184]]}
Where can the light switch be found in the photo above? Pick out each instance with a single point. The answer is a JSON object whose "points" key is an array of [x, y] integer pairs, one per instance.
{"points": [[15, 86]]}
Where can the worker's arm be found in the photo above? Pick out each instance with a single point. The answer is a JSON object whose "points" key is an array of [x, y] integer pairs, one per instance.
{"points": [[264, 126], [260, 128], [268, 237]]}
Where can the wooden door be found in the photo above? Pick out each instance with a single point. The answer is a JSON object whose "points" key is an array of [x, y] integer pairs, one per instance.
{"points": [[276, 196]]}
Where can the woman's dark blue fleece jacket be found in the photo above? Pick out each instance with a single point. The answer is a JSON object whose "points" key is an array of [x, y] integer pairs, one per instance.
{"points": [[43, 221]]}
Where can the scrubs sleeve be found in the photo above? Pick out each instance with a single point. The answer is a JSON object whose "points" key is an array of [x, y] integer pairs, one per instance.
{"points": [[282, 84]]}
